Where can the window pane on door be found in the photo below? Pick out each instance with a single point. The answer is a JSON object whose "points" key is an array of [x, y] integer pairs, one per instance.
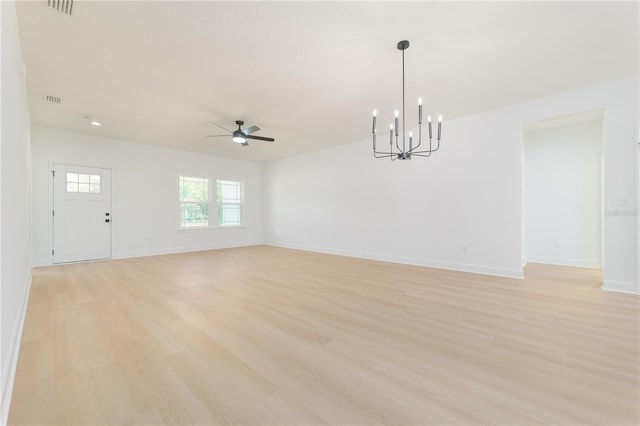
{"points": [[84, 183]]}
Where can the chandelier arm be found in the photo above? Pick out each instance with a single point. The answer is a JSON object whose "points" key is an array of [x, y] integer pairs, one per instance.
{"points": [[416, 147], [391, 145], [419, 143], [423, 153], [397, 146], [384, 154], [419, 132], [378, 154], [430, 150], [426, 150]]}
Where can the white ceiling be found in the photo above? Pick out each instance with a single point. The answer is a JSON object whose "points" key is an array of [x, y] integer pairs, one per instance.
{"points": [[308, 73]]}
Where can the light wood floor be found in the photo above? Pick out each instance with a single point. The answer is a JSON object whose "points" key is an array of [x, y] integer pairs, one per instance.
{"points": [[264, 335]]}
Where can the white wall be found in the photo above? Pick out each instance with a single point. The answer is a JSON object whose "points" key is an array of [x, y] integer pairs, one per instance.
{"points": [[563, 187], [452, 210], [15, 262], [426, 211], [145, 191]]}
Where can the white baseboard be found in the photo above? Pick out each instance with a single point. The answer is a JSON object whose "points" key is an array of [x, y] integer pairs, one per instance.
{"points": [[9, 369], [40, 262], [620, 287], [157, 252], [430, 263], [565, 262]]}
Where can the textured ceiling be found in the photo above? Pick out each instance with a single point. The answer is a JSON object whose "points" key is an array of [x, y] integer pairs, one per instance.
{"points": [[308, 73]]}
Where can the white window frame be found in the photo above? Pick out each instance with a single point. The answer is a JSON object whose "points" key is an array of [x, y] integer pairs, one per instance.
{"points": [[208, 202], [214, 203], [220, 203]]}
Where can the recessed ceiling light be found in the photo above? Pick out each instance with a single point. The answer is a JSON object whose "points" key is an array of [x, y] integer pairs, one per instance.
{"points": [[96, 123]]}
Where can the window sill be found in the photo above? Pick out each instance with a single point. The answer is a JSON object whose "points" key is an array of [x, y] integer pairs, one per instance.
{"points": [[195, 228]]}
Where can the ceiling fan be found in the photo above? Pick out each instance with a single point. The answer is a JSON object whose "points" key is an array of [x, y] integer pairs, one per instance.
{"points": [[241, 135]]}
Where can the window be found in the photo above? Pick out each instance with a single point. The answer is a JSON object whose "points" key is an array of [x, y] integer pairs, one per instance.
{"points": [[229, 203], [194, 201], [82, 182]]}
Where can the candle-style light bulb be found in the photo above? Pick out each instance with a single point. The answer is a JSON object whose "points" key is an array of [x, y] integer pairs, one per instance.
{"points": [[429, 120], [419, 110], [419, 101], [439, 126], [375, 113], [396, 122], [410, 141]]}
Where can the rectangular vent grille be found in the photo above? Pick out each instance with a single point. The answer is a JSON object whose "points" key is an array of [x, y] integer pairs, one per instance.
{"points": [[64, 6], [54, 99]]}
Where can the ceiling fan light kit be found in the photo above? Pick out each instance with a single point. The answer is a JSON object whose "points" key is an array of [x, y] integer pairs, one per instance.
{"points": [[404, 153], [238, 137], [241, 135]]}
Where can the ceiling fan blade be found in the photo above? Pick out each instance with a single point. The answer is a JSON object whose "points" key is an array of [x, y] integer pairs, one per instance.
{"points": [[217, 125], [217, 136], [261, 138], [250, 130]]}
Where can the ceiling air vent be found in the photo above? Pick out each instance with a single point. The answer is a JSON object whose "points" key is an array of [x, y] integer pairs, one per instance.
{"points": [[64, 6], [54, 99]]}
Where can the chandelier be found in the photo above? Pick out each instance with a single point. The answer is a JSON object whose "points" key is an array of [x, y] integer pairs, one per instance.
{"points": [[404, 153]]}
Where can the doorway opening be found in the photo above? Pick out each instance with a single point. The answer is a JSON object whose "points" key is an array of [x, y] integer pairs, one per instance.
{"points": [[563, 191]]}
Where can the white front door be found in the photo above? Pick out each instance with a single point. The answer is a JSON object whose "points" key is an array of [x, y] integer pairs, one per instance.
{"points": [[81, 213]]}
